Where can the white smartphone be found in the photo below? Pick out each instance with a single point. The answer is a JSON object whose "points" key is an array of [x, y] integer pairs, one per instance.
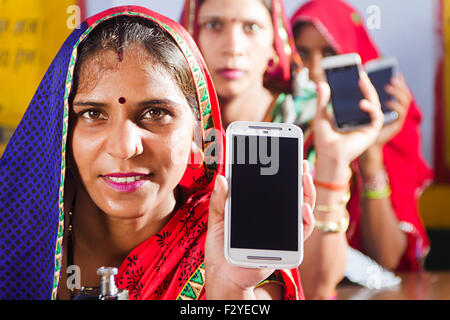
{"points": [[342, 72], [380, 72], [263, 215]]}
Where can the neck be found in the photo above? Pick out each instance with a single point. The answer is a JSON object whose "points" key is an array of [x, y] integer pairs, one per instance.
{"points": [[110, 239], [252, 105]]}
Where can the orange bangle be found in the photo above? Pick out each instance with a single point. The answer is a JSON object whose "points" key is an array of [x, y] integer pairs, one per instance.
{"points": [[331, 185]]}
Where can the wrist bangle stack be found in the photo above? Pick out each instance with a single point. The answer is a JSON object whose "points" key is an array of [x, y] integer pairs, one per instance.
{"points": [[377, 187], [378, 194], [332, 226], [335, 207]]}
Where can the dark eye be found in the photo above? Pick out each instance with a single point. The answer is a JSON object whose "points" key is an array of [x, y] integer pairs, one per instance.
{"points": [[155, 114], [93, 115], [251, 27], [212, 25], [328, 52], [304, 53]]}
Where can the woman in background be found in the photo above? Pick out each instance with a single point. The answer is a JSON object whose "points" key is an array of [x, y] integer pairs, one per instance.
{"points": [[385, 222], [249, 50]]}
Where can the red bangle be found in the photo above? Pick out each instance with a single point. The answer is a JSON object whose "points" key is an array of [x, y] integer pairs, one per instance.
{"points": [[331, 185]]}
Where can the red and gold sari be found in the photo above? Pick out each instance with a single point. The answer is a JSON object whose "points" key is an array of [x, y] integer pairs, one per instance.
{"points": [[168, 265]]}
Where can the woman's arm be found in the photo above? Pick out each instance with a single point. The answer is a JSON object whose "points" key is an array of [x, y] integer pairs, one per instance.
{"points": [[382, 238], [326, 252], [325, 255]]}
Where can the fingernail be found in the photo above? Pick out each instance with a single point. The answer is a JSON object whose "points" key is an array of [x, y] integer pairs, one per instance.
{"points": [[305, 166], [309, 207]]}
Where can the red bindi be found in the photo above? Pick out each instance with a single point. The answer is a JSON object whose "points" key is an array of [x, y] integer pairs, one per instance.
{"points": [[122, 100]]}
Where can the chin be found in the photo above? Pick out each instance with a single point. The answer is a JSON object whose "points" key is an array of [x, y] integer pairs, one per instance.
{"points": [[230, 90], [125, 209]]}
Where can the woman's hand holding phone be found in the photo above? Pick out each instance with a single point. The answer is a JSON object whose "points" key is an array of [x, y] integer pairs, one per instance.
{"points": [[403, 98], [372, 159], [335, 148], [227, 281]]}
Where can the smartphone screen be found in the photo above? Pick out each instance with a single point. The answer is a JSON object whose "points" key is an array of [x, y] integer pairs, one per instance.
{"points": [[380, 78], [345, 96], [265, 193]]}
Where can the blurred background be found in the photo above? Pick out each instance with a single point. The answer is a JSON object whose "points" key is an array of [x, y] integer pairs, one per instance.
{"points": [[417, 32]]}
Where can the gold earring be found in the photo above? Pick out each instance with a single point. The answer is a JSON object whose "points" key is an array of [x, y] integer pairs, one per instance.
{"points": [[273, 63], [201, 163]]}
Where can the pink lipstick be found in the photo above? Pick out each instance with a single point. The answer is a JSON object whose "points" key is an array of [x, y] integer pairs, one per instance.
{"points": [[125, 182], [230, 73]]}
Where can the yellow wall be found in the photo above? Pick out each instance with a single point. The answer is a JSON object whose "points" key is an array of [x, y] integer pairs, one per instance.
{"points": [[31, 33], [435, 201], [435, 207]]}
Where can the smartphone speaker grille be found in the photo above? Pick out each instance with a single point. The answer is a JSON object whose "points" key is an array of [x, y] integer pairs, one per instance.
{"points": [[264, 258], [265, 128]]}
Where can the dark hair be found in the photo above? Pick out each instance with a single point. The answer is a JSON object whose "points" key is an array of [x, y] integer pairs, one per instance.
{"points": [[298, 26], [121, 32]]}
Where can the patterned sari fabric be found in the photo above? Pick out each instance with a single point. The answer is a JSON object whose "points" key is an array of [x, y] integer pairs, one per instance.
{"points": [[169, 265], [408, 173]]}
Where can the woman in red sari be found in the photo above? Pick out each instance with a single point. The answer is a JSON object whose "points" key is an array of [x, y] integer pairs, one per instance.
{"points": [[387, 227], [129, 106]]}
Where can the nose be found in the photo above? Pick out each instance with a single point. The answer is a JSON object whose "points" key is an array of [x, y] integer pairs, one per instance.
{"points": [[124, 141], [316, 72], [233, 41]]}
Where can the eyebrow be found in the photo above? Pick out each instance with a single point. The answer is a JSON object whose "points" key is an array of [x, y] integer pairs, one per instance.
{"points": [[89, 104], [144, 103], [255, 19], [158, 102]]}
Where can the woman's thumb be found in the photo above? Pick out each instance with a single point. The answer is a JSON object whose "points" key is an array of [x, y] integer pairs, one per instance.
{"points": [[323, 96]]}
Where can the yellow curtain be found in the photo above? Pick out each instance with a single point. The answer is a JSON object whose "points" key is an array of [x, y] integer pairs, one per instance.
{"points": [[31, 33]]}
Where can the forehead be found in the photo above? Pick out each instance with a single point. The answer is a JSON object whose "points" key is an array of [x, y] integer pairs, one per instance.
{"points": [[136, 75], [309, 35], [235, 9]]}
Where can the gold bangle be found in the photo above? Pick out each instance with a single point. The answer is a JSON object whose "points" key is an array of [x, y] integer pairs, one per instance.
{"points": [[332, 226], [331, 208]]}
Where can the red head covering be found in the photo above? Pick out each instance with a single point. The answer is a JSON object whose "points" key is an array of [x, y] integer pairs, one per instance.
{"points": [[288, 59], [340, 24], [344, 29]]}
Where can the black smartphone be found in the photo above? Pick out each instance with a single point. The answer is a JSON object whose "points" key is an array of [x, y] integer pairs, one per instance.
{"points": [[342, 72], [380, 72]]}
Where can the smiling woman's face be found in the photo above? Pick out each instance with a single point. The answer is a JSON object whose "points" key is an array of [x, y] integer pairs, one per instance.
{"points": [[132, 132]]}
